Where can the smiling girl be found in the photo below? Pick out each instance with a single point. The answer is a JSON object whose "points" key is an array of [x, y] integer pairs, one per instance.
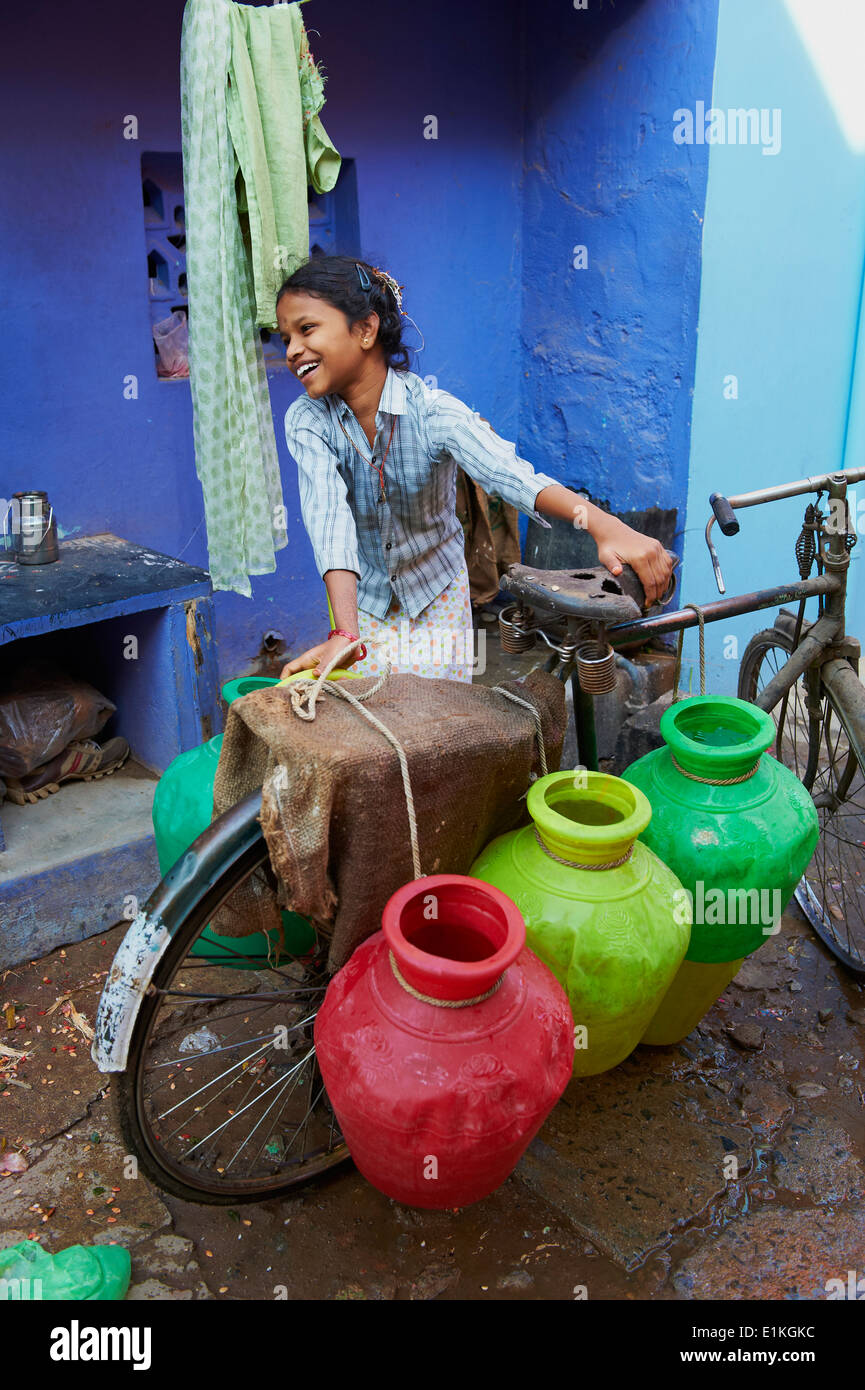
{"points": [[377, 452]]}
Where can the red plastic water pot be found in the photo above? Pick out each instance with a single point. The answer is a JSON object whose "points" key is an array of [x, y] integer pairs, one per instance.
{"points": [[443, 1043]]}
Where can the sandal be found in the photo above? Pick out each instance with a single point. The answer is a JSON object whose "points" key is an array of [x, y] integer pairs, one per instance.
{"points": [[82, 761]]}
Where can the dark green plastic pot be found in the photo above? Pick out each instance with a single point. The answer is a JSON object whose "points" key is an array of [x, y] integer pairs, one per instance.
{"points": [[183, 808]]}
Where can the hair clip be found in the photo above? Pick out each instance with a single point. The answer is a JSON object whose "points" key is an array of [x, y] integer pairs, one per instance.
{"points": [[395, 289], [363, 277]]}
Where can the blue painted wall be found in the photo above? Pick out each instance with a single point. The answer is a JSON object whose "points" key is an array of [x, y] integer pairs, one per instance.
{"points": [[440, 214], [553, 129], [783, 254], [609, 349]]}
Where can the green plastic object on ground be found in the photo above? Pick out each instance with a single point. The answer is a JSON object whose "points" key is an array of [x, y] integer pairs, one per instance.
{"points": [[93, 1273], [610, 932], [736, 827]]}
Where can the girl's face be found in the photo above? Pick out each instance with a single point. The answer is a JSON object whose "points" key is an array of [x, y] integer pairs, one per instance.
{"points": [[314, 331]]}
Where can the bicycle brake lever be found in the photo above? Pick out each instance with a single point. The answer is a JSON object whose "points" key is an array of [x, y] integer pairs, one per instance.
{"points": [[671, 587], [719, 578]]}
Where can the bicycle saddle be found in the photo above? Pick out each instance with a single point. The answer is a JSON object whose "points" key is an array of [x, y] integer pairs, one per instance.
{"points": [[592, 593]]}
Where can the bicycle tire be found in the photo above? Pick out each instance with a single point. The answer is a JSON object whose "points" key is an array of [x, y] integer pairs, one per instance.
{"points": [[841, 929], [127, 1085]]}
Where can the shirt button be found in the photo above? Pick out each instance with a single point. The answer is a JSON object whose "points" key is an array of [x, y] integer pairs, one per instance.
{"points": [[389, 544], [393, 576]]}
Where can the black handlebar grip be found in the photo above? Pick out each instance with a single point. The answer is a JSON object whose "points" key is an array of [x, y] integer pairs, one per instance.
{"points": [[724, 514]]}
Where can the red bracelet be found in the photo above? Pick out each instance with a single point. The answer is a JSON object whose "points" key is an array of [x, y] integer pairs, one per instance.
{"points": [[352, 636]]}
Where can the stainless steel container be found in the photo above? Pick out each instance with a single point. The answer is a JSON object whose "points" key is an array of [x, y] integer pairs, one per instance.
{"points": [[34, 529]]}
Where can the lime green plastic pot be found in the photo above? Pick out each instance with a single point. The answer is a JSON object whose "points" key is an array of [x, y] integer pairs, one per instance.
{"points": [[612, 936], [735, 826]]}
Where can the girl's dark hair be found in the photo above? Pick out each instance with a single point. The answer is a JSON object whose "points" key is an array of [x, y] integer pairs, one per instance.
{"points": [[335, 279]]}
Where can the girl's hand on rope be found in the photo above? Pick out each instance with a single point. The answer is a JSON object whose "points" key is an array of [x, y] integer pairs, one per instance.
{"points": [[321, 656]]}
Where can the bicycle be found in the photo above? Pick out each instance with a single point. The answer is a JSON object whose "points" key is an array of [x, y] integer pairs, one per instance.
{"points": [[162, 1012], [812, 667]]}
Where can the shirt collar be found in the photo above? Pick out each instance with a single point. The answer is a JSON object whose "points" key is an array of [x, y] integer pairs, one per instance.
{"points": [[393, 397]]}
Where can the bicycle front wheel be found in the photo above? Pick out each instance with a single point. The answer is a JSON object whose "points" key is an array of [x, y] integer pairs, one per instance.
{"points": [[820, 752], [222, 1099]]}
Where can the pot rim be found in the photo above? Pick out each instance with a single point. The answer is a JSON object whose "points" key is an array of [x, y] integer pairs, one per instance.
{"points": [[720, 760], [599, 786], [439, 976]]}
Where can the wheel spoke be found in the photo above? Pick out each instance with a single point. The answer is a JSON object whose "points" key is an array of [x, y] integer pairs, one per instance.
{"points": [[297, 1080], [248, 1114], [237, 1114]]}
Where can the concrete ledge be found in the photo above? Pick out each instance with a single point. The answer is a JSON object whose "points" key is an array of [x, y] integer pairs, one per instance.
{"points": [[72, 863]]}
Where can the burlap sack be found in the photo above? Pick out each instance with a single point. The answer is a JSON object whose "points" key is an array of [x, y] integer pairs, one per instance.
{"points": [[334, 810]]}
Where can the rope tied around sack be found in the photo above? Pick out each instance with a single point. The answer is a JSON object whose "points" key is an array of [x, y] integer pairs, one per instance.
{"points": [[535, 713], [303, 695]]}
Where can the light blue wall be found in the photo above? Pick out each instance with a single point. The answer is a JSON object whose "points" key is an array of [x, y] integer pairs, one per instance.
{"points": [[783, 254]]}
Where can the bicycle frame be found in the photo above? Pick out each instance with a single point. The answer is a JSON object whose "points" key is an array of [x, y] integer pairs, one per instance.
{"points": [[822, 648]]}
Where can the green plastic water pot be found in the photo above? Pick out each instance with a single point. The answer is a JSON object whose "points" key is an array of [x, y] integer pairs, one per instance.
{"points": [[736, 827], [183, 808]]}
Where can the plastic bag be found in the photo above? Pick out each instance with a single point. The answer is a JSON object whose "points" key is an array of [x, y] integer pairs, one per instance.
{"points": [[42, 710], [97, 1274], [171, 336]]}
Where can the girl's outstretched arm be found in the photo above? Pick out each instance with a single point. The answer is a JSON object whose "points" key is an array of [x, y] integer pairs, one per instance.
{"points": [[617, 543], [453, 427]]}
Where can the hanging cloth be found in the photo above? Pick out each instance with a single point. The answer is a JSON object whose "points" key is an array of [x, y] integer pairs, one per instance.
{"points": [[274, 94], [250, 94]]}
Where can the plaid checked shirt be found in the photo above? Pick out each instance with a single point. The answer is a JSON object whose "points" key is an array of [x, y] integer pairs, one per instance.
{"points": [[410, 543]]}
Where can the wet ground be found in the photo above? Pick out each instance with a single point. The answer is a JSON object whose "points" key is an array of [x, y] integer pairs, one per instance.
{"points": [[731, 1166]]}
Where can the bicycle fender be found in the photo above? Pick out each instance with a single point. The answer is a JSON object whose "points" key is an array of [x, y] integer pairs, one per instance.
{"points": [[229, 840], [842, 682], [131, 971]]}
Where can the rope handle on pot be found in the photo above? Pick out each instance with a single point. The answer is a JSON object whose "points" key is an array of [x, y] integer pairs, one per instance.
{"points": [[694, 776], [431, 999]]}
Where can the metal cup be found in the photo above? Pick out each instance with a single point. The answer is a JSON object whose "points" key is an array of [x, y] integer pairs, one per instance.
{"points": [[36, 542]]}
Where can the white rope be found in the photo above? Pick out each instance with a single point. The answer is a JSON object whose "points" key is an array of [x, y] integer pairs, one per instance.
{"points": [[304, 693], [308, 690], [527, 704]]}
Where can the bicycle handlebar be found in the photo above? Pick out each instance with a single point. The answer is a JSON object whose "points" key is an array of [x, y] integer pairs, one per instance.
{"points": [[724, 514], [819, 483], [724, 507]]}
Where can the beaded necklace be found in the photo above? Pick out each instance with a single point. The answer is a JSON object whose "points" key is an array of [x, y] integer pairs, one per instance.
{"points": [[371, 462]]}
